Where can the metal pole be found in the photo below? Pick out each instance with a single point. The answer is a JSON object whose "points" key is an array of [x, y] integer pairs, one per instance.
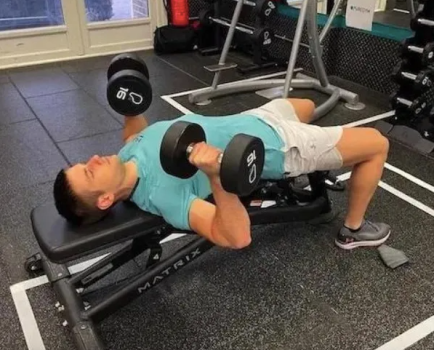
{"points": [[312, 29], [411, 9], [228, 41], [237, 27], [330, 20], [295, 48]]}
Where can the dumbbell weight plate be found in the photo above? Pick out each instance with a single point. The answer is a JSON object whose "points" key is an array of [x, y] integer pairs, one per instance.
{"points": [[204, 17], [173, 150], [262, 37], [265, 8], [396, 74], [127, 61], [242, 164], [129, 93], [428, 54]]}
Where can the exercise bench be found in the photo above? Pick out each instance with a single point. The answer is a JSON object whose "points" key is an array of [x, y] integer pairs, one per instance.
{"points": [[139, 231]]}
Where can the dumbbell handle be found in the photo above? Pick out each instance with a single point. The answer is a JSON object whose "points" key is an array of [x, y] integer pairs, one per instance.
{"points": [[404, 101], [226, 24], [190, 149], [247, 2], [410, 76], [415, 49], [426, 22]]}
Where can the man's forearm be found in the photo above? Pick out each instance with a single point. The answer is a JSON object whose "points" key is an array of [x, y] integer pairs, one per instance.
{"points": [[231, 221], [134, 125]]}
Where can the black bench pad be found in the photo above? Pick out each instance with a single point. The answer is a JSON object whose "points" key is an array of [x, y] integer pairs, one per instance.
{"points": [[62, 242]]}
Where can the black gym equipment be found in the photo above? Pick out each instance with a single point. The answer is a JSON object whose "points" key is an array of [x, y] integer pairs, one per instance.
{"points": [[128, 90], [420, 81], [411, 123], [426, 53], [413, 108], [61, 243], [260, 37], [241, 164], [263, 9]]}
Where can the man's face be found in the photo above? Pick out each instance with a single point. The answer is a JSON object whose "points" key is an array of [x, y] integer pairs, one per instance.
{"points": [[99, 175]]}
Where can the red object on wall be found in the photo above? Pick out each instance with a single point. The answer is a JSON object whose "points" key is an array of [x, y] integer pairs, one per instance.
{"points": [[180, 13]]}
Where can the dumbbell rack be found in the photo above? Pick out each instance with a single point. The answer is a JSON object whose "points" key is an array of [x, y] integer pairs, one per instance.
{"points": [[261, 57], [262, 10], [413, 122]]}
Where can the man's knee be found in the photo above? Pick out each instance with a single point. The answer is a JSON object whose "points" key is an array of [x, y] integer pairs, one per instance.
{"points": [[381, 141], [310, 105], [304, 109], [358, 145]]}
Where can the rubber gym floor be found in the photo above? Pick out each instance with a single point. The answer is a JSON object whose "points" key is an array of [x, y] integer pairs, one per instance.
{"points": [[291, 289]]}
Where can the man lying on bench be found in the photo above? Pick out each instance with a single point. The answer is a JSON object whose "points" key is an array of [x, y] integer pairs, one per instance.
{"points": [[85, 192]]}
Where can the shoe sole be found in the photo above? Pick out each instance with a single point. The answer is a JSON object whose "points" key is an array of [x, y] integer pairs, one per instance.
{"points": [[354, 245]]}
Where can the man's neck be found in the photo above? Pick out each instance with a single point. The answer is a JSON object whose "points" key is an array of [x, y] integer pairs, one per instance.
{"points": [[130, 181]]}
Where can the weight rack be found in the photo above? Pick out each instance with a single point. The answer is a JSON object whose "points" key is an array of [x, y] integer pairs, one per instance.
{"points": [[413, 122], [252, 40], [280, 88]]}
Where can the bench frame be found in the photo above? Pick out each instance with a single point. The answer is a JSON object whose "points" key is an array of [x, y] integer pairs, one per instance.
{"points": [[69, 289]]}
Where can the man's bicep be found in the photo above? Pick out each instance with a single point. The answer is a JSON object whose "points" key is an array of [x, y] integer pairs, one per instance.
{"points": [[201, 216]]}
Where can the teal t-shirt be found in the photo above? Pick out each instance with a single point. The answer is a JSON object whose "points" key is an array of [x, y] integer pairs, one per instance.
{"points": [[170, 197]]}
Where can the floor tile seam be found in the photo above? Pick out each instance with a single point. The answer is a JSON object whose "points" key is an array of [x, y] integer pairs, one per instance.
{"points": [[41, 124]]}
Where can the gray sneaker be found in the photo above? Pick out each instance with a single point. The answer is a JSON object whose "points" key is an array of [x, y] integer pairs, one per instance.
{"points": [[369, 235]]}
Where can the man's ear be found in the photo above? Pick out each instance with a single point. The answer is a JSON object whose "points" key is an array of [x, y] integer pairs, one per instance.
{"points": [[105, 201]]}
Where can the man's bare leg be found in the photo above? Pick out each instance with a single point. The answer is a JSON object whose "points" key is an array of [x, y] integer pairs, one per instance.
{"points": [[303, 108], [366, 150]]}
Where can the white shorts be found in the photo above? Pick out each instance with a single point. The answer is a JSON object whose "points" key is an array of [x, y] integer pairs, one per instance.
{"points": [[308, 148]]}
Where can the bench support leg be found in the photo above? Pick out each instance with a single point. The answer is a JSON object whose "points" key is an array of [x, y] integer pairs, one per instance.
{"points": [[86, 337], [131, 290], [84, 332]]}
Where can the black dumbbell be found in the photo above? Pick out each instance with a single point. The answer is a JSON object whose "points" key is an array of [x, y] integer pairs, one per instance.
{"points": [[427, 52], [241, 164], [418, 22], [414, 108], [421, 81], [128, 90], [261, 37], [263, 9]]}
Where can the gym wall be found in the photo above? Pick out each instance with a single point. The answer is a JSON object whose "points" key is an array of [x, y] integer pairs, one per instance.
{"points": [[350, 54]]}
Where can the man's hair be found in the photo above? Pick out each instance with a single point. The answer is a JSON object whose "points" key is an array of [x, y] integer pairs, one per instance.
{"points": [[73, 208]]}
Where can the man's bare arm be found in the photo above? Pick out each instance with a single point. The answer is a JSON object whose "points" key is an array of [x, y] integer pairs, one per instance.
{"points": [[133, 126]]}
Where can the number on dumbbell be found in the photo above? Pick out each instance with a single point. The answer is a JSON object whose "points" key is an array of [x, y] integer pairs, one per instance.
{"points": [[128, 91], [264, 8], [251, 163]]}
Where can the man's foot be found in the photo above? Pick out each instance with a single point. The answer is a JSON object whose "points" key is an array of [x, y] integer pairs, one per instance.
{"points": [[368, 235]]}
